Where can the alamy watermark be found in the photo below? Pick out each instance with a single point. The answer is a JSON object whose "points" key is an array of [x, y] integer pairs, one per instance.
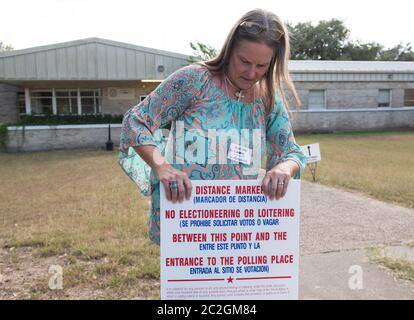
{"points": [[56, 280], [212, 146], [355, 282]]}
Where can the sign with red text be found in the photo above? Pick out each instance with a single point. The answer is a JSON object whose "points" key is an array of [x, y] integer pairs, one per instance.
{"points": [[229, 241]]}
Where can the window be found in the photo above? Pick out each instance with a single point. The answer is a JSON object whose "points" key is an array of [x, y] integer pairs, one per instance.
{"points": [[90, 101], [67, 101], [21, 102], [384, 98], [409, 98], [41, 101], [316, 100]]}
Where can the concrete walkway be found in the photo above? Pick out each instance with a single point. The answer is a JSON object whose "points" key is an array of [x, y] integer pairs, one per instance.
{"points": [[338, 228]]}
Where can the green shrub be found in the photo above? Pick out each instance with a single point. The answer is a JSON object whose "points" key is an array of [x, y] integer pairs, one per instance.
{"points": [[3, 136], [37, 120]]}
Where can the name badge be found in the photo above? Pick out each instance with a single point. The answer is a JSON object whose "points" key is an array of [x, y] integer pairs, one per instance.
{"points": [[239, 153]]}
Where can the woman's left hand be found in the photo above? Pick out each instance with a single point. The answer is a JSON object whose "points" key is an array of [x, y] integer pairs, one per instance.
{"points": [[276, 180]]}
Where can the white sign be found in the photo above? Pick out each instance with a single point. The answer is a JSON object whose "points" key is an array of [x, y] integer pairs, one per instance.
{"points": [[229, 241], [312, 152]]}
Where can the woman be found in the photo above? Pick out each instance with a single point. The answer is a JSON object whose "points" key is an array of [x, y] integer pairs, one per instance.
{"points": [[241, 90]]}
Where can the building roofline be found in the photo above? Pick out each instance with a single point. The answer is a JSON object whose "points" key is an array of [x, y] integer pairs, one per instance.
{"points": [[89, 41], [343, 66], [295, 66]]}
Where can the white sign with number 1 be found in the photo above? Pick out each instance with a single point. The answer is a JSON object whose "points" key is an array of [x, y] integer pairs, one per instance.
{"points": [[312, 152]]}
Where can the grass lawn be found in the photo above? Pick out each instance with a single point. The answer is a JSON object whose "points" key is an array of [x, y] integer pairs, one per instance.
{"points": [[79, 207], [380, 165], [79, 210]]}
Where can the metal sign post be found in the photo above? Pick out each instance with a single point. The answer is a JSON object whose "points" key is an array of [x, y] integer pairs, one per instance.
{"points": [[109, 143], [312, 167]]}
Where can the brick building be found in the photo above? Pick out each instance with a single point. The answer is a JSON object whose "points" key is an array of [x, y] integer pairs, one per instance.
{"points": [[90, 76], [95, 76]]}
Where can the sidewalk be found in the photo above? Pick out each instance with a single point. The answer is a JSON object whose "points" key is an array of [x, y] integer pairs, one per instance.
{"points": [[337, 230]]}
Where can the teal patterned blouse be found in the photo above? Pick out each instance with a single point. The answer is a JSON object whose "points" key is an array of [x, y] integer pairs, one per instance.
{"points": [[204, 121]]}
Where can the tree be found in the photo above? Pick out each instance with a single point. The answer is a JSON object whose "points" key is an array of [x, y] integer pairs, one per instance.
{"points": [[361, 51], [329, 40], [324, 41], [202, 52], [5, 47], [398, 53]]}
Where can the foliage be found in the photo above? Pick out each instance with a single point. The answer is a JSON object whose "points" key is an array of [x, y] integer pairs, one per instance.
{"points": [[330, 40], [398, 53], [324, 41], [5, 47], [362, 51], [3, 136], [202, 52]]}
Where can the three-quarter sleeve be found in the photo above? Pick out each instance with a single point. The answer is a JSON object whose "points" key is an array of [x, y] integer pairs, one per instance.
{"points": [[160, 107], [140, 123], [281, 143]]}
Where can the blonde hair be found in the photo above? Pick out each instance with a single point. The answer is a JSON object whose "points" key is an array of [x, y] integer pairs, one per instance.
{"points": [[274, 34]]}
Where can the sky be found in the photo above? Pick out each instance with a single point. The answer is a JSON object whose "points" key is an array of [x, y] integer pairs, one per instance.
{"points": [[171, 25]]}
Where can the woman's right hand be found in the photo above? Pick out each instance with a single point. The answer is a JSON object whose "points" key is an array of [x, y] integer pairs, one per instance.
{"points": [[177, 185], [166, 174]]}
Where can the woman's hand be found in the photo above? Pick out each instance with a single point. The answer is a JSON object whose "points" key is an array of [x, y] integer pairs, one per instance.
{"points": [[177, 185], [276, 180]]}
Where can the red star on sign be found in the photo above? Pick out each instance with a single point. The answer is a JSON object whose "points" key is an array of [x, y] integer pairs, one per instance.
{"points": [[230, 279]]}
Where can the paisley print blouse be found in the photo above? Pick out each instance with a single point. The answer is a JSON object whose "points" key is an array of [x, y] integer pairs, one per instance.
{"points": [[203, 122]]}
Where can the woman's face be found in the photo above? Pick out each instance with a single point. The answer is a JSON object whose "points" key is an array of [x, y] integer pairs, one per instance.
{"points": [[249, 63]]}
